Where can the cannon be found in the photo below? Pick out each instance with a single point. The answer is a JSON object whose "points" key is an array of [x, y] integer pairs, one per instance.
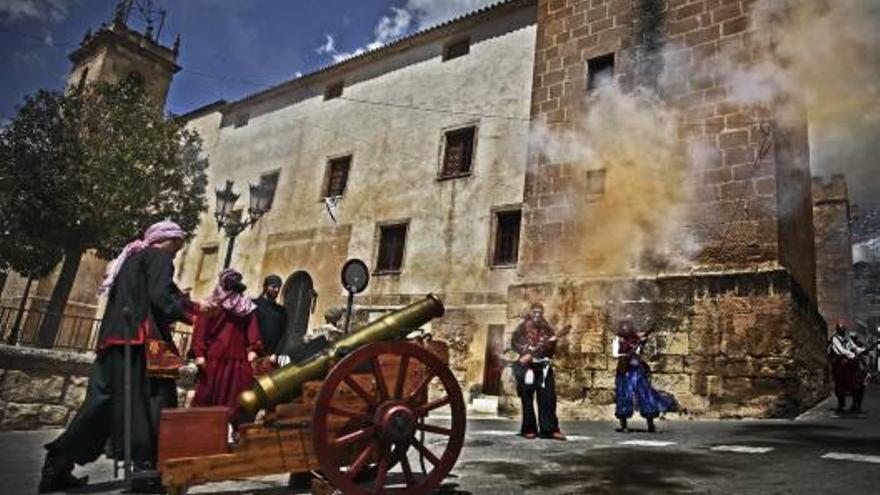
{"points": [[358, 412]]}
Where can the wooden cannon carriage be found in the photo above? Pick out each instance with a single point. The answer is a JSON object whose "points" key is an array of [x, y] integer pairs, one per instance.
{"points": [[360, 413]]}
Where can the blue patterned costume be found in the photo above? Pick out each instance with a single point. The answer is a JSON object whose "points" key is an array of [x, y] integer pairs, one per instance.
{"points": [[632, 385]]}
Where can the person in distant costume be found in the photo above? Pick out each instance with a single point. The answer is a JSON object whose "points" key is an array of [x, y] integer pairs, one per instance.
{"points": [[632, 384], [534, 340], [271, 317], [847, 370], [142, 304], [226, 340]]}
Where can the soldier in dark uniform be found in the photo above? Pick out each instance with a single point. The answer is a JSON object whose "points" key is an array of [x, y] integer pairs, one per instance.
{"points": [[142, 304], [271, 316]]}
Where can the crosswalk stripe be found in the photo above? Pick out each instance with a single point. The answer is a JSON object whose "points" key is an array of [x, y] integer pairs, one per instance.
{"points": [[841, 456], [741, 449], [647, 443]]}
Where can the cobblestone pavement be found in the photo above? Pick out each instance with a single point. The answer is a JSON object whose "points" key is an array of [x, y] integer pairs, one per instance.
{"points": [[819, 453]]}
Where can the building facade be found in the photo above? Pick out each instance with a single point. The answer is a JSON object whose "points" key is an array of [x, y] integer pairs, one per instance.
{"points": [[452, 164]]}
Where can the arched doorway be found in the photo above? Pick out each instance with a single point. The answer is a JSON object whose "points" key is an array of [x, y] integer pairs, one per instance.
{"points": [[299, 299]]}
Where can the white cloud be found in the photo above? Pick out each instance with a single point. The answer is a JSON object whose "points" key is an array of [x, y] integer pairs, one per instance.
{"points": [[44, 10], [432, 12], [415, 15], [329, 46], [28, 60]]}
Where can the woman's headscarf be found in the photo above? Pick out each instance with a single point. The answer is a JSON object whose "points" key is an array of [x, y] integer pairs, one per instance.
{"points": [[158, 232], [229, 294]]}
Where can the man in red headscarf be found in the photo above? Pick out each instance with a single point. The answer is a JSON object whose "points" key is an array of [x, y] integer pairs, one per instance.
{"points": [[142, 304], [535, 341], [226, 340]]}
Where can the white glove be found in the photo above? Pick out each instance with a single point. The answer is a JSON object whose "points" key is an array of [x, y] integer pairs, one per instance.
{"points": [[283, 360]]}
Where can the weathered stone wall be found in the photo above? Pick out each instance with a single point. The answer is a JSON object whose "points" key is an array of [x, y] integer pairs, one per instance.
{"points": [[40, 388], [834, 259], [727, 345]]}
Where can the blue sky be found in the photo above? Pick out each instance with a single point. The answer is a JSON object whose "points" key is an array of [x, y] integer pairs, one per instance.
{"points": [[230, 48]]}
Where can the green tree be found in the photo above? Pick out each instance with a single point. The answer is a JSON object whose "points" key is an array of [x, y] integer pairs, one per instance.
{"points": [[90, 169]]}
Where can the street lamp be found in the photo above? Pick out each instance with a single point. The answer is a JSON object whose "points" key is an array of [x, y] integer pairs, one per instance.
{"points": [[229, 219]]}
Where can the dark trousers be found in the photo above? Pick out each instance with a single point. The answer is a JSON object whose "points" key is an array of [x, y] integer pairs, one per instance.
{"points": [[547, 424], [101, 417]]}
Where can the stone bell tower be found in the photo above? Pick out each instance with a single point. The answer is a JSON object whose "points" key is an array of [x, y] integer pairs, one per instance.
{"points": [[118, 51], [115, 51]]}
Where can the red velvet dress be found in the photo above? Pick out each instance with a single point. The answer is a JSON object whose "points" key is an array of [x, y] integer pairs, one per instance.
{"points": [[224, 340]]}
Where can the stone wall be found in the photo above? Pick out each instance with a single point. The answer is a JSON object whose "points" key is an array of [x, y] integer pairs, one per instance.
{"points": [[834, 258], [748, 344], [40, 388]]}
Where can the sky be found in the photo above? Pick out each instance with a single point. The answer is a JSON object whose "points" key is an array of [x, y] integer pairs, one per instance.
{"points": [[229, 48]]}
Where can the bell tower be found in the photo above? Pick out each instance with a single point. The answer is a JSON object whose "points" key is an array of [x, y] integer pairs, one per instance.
{"points": [[118, 50]]}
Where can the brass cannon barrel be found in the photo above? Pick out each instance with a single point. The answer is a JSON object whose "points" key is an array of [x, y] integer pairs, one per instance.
{"points": [[284, 384]]}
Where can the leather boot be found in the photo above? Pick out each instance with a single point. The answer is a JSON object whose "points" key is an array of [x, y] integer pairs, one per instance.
{"points": [[622, 428], [651, 427], [57, 476]]}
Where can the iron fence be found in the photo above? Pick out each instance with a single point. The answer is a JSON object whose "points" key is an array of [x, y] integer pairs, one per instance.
{"points": [[75, 333]]}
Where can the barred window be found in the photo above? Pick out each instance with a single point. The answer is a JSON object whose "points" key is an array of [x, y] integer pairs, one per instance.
{"points": [[337, 176], [458, 152], [507, 226], [392, 239], [270, 182]]}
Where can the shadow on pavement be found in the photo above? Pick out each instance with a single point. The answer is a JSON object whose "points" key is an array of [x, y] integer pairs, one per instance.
{"points": [[823, 436], [611, 471]]}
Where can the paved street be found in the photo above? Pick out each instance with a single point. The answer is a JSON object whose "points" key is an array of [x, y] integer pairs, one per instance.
{"points": [[818, 453]]}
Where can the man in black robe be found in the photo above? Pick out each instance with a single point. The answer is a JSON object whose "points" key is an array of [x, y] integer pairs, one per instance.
{"points": [[142, 305], [271, 316]]}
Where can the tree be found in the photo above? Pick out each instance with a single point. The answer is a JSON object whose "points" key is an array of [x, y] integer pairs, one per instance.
{"points": [[90, 169]]}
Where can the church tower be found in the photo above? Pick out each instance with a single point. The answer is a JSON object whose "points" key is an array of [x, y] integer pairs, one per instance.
{"points": [[118, 51]]}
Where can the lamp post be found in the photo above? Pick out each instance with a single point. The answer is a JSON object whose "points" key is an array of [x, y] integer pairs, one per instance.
{"points": [[229, 219]]}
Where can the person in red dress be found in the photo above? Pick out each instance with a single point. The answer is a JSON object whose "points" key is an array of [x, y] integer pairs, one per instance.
{"points": [[226, 340]]}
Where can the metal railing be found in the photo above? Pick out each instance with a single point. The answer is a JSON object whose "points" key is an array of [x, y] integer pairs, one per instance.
{"points": [[75, 333]]}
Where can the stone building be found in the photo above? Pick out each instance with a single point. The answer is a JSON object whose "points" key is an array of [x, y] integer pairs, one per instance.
{"points": [[834, 259], [113, 52], [436, 148]]}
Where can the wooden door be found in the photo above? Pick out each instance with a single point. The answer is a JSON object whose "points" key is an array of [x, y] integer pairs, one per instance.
{"points": [[494, 365], [299, 300]]}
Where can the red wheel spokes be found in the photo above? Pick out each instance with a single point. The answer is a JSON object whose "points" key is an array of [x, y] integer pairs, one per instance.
{"points": [[338, 411], [381, 475], [422, 411], [356, 436], [360, 461], [407, 470], [401, 377], [421, 387], [363, 394], [425, 452], [380, 379], [434, 429]]}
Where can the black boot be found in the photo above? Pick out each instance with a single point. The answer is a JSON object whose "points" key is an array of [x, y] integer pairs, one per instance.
{"points": [[57, 476], [622, 428], [651, 427], [841, 404], [145, 485]]}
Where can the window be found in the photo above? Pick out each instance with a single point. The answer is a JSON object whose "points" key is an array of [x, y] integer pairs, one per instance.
{"points": [[333, 90], [270, 182], [207, 264], [596, 182], [458, 152], [392, 239], [506, 238], [337, 176], [456, 49], [600, 71]]}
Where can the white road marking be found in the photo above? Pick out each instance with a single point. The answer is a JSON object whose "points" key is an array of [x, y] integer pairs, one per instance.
{"points": [[840, 456], [647, 443], [741, 449]]}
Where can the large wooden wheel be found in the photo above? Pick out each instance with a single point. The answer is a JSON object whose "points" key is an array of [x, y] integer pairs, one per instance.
{"points": [[392, 424]]}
